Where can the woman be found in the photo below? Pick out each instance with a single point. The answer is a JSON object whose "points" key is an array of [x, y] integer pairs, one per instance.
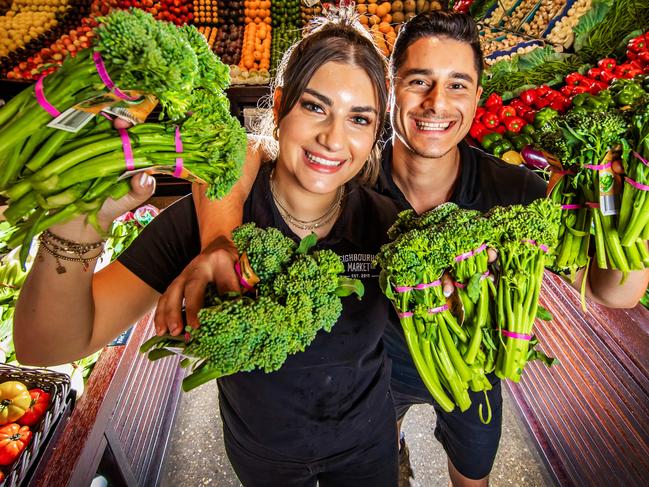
{"points": [[326, 416]]}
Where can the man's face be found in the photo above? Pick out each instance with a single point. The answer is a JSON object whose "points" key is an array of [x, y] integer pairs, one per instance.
{"points": [[434, 96]]}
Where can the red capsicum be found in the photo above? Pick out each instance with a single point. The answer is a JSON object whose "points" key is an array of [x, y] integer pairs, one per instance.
{"points": [[477, 131], [638, 44], [479, 112], [594, 72], [573, 78], [506, 111], [490, 120], [607, 63], [528, 96], [494, 100], [514, 124]]}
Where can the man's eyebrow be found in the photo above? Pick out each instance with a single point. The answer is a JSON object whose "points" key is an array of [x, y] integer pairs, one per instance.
{"points": [[429, 72], [327, 101]]}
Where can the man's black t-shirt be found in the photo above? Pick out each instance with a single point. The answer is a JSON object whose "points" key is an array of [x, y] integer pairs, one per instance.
{"points": [[326, 399], [484, 182]]}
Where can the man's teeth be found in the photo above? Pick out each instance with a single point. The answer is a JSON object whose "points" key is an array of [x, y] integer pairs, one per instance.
{"points": [[323, 162], [433, 126]]}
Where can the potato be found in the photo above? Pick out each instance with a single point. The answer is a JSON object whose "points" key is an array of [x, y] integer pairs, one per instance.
{"points": [[397, 17], [419, 5], [397, 6]]}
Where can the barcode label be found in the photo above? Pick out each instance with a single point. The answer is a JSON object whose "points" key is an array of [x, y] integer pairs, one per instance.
{"points": [[71, 120], [607, 205]]}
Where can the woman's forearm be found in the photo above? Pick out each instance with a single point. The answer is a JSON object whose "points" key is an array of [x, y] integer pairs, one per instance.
{"points": [[54, 313]]}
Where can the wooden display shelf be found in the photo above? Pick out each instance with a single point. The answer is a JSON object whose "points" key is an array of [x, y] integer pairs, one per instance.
{"points": [[589, 414], [122, 423]]}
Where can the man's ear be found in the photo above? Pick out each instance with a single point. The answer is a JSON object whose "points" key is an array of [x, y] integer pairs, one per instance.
{"points": [[478, 95], [277, 100]]}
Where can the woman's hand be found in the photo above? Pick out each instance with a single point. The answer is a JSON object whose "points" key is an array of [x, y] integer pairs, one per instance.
{"points": [[214, 264]]}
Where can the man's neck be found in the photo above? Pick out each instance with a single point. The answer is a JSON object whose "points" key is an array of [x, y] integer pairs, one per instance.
{"points": [[425, 182]]}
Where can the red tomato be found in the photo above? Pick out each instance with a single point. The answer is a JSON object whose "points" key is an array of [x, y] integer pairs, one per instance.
{"points": [[37, 408], [13, 440]]}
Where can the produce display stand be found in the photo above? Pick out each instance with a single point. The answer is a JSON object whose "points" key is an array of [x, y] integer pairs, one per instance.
{"points": [[589, 414], [121, 425]]}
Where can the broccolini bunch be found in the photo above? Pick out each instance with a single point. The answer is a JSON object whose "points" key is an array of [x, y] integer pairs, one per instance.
{"points": [[455, 344], [50, 175], [526, 237], [298, 294]]}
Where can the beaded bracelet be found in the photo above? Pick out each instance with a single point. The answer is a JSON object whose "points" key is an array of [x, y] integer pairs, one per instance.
{"points": [[54, 245]]}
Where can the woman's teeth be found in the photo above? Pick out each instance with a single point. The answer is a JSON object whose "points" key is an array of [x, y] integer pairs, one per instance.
{"points": [[323, 162], [433, 126]]}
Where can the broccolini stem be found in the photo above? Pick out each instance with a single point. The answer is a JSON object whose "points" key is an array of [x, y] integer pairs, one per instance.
{"points": [[431, 383], [639, 219]]}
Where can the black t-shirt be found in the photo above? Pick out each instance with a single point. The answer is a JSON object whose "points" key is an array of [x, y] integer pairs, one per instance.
{"points": [[326, 399], [485, 181]]}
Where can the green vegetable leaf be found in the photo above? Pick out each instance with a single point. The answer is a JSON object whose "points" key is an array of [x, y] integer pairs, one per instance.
{"points": [[347, 287], [473, 288], [543, 314], [307, 243], [589, 21]]}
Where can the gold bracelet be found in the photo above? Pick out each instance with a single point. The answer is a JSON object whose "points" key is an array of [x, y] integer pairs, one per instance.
{"points": [[68, 245]]}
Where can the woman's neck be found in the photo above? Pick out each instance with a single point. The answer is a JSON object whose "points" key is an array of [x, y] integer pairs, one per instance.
{"points": [[304, 205]]}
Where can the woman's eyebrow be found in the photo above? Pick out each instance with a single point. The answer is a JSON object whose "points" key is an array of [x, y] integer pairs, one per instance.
{"points": [[327, 101]]}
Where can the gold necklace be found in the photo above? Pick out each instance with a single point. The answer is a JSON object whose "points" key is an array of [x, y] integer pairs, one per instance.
{"points": [[322, 220]]}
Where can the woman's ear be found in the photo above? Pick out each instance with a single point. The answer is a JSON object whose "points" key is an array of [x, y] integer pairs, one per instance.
{"points": [[277, 100]]}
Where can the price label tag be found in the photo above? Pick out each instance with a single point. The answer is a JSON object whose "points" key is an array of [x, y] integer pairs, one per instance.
{"points": [[310, 3]]}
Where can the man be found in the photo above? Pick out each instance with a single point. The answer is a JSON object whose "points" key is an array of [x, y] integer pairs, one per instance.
{"points": [[436, 67]]}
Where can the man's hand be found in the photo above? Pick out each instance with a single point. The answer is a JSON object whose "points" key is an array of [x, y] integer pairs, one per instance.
{"points": [[214, 264], [448, 286]]}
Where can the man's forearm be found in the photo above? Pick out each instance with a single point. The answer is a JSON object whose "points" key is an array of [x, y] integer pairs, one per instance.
{"points": [[217, 218]]}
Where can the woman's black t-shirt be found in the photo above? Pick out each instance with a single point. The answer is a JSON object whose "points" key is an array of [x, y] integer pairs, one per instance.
{"points": [[326, 399]]}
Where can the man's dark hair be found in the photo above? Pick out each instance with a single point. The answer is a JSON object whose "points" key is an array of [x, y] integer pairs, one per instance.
{"points": [[438, 23]]}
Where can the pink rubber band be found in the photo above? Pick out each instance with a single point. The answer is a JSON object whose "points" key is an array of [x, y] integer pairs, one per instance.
{"points": [[428, 284], [571, 207], [485, 275], [128, 150], [596, 167], [179, 160], [635, 184], [406, 314], [543, 247], [459, 285], [591, 204], [242, 280], [439, 309], [480, 249], [520, 336], [641, 159], [105, 77], [403, 289], [464, 256], [42, 101]]}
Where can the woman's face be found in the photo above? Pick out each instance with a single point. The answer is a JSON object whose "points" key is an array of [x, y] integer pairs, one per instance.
{"points": [[327, 137]]}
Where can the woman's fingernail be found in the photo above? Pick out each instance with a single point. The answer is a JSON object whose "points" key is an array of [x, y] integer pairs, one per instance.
{"points": [[447, 292]]}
